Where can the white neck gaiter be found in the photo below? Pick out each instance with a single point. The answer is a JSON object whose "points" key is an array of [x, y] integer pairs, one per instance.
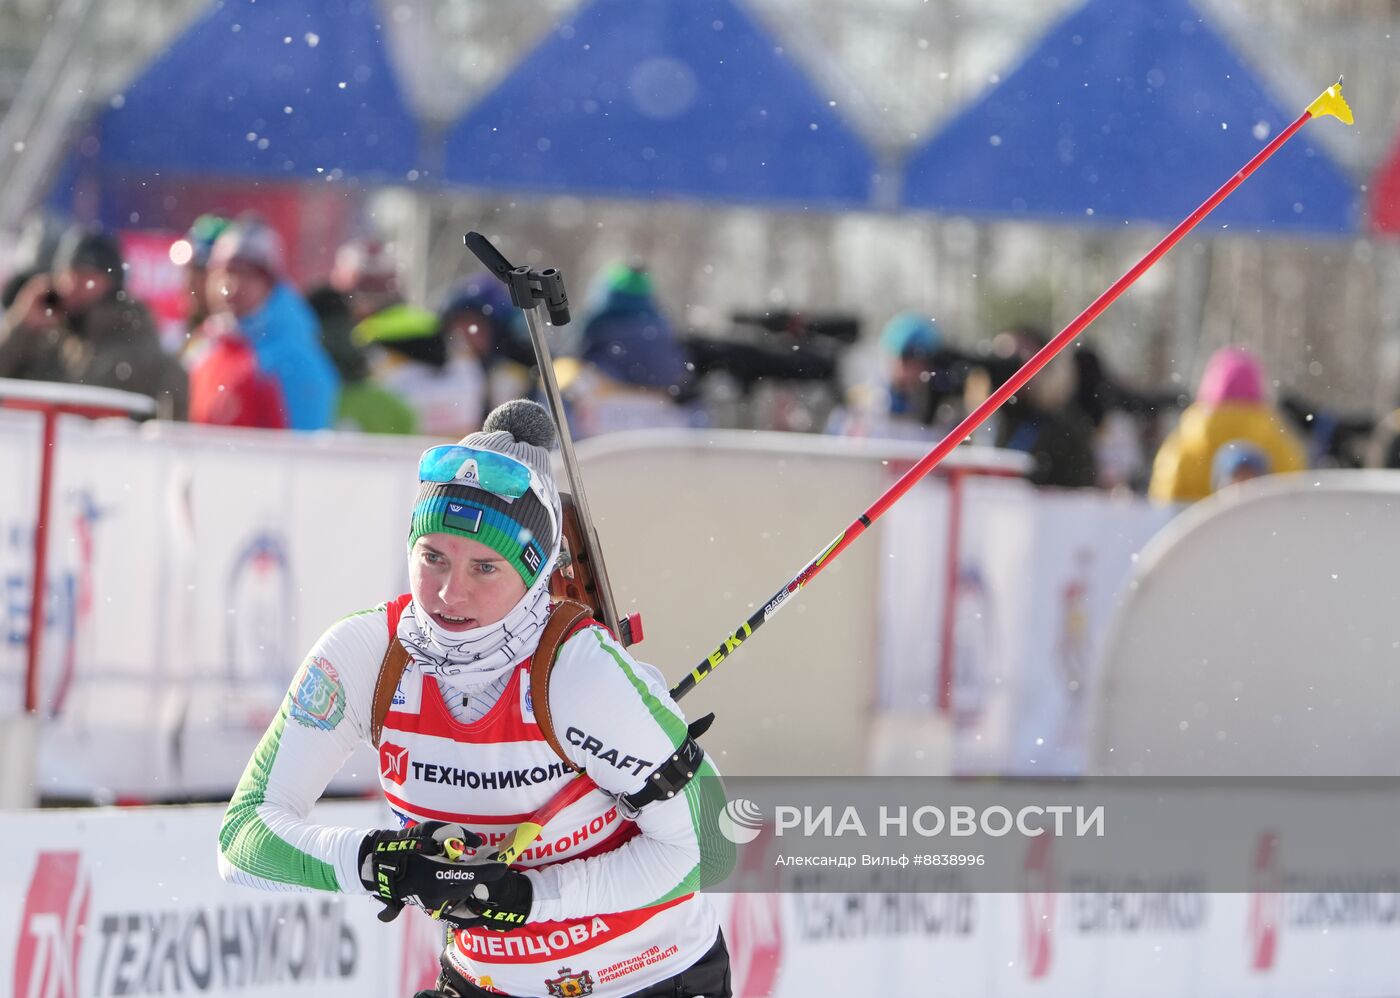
{"points": [[471, 660]]}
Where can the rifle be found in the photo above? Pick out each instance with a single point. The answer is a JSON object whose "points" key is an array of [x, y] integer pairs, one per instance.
{"points": [[581, 574]]}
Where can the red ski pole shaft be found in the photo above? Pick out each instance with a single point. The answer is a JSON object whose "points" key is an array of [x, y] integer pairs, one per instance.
{"points": [[1330, 102]]}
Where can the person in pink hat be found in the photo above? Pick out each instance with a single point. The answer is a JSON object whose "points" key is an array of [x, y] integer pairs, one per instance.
{"points": [[1230, 408]]}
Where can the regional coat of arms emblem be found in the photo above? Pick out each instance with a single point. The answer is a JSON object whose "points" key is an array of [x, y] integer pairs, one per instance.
{"points": [[570, 985]]}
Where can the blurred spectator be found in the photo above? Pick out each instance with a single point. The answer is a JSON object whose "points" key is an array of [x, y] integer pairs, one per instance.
{"points": [[1007, 351], [78, 326], [192, 251], [1095, 393], [1237, 461], [480, 321], [405, 345], [33, 255], [1332, 437], [898, 402], [228, 387], [1044, 419], [246, 282], [366, 274], [909, 341], [31, 343], [1119, 457], [1229, 407], [364, 405], [631, 369], [1383, 447], [408, 356]]}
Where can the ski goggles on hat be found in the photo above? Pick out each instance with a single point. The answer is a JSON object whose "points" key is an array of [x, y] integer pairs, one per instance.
{"points": [[497, 473]]}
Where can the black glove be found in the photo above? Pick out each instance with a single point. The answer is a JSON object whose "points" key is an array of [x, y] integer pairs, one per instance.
{"points": [[428, 865], [500, 899]]}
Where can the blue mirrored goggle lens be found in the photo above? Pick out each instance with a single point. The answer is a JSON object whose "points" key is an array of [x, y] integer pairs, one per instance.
{"points": [[496, 473]]}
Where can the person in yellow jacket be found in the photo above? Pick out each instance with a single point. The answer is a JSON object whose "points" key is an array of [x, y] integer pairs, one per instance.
{"points": [[1229, 407]]}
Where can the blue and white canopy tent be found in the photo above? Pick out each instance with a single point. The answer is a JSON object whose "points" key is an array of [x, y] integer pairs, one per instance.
{"points": [[1131, 113], [658, 98], [1129, 110], [289, 89]]}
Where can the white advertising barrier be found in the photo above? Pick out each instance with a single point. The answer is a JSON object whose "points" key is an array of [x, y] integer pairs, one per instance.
{"points": [[1062, 936], [1261, 636], [1038, 574], [1063, 576], [269, 542], [129, 902], [20, 436], [189, 571], [19, 495]]}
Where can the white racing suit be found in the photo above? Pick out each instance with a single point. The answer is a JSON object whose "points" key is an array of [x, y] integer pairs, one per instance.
{"points": [[614, 902]]}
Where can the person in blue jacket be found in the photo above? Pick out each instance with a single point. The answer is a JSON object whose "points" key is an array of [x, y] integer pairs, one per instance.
{"points": [[246, 280]]}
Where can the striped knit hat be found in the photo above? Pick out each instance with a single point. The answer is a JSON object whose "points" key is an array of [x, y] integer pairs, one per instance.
{"points": [[523, 531]]}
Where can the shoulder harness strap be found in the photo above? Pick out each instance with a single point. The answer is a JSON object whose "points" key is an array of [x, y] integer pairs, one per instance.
{"points": [[390, 672], [566, 616]]}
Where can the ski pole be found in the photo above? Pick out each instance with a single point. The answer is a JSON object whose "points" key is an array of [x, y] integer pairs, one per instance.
{"points": [[1330, 102]]}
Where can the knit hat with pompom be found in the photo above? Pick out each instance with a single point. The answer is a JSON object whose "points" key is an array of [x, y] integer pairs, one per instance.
{"points": [[524, 531]]}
